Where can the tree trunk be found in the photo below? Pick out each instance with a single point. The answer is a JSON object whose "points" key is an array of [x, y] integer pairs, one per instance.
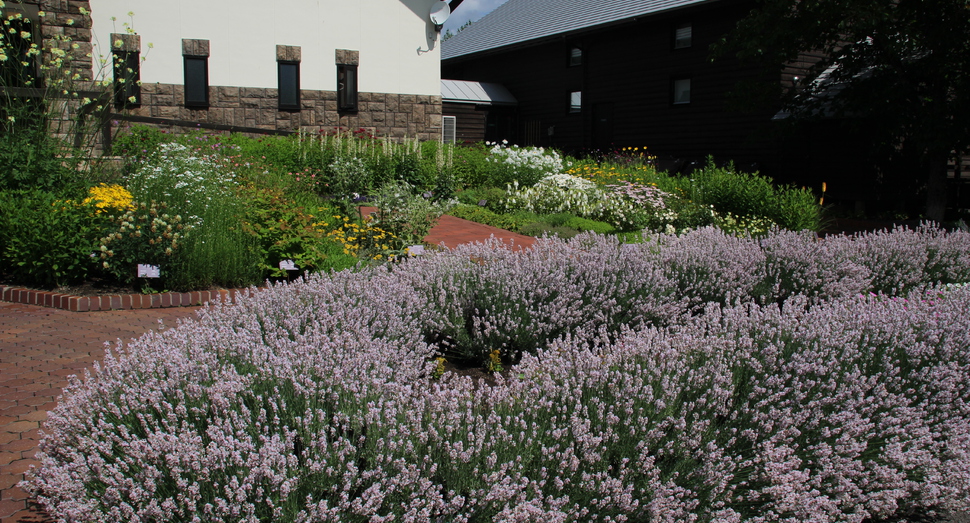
{"points": [[936, 186]]}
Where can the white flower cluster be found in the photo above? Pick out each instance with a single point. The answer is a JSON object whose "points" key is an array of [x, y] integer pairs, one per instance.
{"points": [[567, 181], [182, 177], [525, 159], [568, 194]]}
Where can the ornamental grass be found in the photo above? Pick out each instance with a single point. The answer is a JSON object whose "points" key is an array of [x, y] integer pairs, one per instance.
{"points": [[694, 378]]}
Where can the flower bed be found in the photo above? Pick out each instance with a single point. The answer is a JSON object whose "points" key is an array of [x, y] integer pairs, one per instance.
{"points": [[693, 378]]}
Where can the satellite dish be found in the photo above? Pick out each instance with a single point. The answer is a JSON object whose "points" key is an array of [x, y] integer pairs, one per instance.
{"points": [[440, 11]]}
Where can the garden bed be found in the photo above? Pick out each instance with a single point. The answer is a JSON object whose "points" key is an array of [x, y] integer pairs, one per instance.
{"points": [[698, 377]]}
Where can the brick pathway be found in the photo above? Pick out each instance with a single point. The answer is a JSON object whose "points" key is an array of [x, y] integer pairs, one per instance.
{"points": [[40, 347]]}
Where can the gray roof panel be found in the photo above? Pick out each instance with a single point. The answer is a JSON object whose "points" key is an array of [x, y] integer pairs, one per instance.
{"points": [[518, 21], [483, 93]]}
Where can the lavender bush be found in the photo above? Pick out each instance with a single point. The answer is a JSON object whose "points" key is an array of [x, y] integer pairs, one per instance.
{"points": [[643, 391]]}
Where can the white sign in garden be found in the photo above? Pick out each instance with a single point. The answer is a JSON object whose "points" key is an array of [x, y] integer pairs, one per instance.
{"points": [[149, 271]]}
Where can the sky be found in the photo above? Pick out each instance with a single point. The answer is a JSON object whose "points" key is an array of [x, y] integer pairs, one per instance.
{"points": [[470, 10]]}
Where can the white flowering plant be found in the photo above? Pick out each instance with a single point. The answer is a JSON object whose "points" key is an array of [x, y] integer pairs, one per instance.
{"points": [[626, 207], [525, 165], [147, 234], [405, 213], [203, 189]]}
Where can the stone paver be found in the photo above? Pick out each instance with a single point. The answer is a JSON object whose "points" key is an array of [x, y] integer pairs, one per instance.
{"points": [[39, 349]]}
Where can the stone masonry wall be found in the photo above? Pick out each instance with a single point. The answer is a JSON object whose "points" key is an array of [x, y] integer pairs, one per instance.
{"points": [[380, 114]]}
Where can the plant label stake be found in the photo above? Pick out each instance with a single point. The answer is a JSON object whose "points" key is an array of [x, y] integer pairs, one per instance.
{"points": [[149, 271]]}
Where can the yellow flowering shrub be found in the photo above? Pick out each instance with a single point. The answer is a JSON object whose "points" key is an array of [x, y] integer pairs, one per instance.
{"points": [[107, 198], [365, 240]]}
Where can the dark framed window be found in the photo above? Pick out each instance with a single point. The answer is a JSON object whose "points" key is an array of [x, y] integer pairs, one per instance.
{"points": [[289, 85], [347, 88], [196, 81], [683, 36], [127, 79], [575, 57], [680, 90], [575, 102]]}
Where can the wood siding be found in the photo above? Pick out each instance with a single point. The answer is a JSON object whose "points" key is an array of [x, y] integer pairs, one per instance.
{"points": [[626, 84], [469, 121]]}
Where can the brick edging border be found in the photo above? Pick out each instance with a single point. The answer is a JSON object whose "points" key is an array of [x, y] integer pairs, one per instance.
{"points": [[74, 303]]}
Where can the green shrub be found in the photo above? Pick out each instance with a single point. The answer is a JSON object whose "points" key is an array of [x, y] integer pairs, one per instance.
{"points": [[45, 240], [492, 197], [30, 158], [584, 224], [145, 234], [203, 191], [286, 230], [406, 215], [752, 195], [545, 229], [483, 215], [468, 166]]}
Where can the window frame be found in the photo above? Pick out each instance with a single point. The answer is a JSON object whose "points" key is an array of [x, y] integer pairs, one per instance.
{"points": [[196, 103], [678, 43], [347, 97], [280, 66], [445, 129], [572, 108], [673, 89], [570, 62]]}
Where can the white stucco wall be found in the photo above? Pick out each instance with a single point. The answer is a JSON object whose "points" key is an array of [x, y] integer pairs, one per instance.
{"points": [[394, 38]]}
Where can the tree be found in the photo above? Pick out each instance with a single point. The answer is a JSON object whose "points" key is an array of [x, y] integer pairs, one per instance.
{"points": [[901, 67]]}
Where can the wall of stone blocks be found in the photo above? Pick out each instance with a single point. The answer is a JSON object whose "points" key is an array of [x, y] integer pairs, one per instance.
{"points": [[380, 114]]}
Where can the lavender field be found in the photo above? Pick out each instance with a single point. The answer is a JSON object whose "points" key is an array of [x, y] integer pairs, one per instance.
{"points": [[695, 377]]}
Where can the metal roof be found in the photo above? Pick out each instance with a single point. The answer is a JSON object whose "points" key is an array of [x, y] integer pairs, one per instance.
{"points": [[483, 93], [518, 21]]}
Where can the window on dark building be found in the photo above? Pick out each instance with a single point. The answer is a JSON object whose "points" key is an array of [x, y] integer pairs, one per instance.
{"points": [[575, 56], [682, 36], [576, 102], [681, 90]]}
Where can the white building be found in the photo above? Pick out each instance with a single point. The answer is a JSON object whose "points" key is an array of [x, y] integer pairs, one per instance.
{"points": [[270, 64]]}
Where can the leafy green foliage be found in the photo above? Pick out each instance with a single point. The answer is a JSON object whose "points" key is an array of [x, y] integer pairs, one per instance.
{"points": [[406, 215], [484, 215], [752, 195], [287, 231], [46, 240], [29, 156]]}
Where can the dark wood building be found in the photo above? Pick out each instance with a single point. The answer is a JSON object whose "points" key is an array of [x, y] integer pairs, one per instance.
{"points": [[591, 75], [477, 111]]}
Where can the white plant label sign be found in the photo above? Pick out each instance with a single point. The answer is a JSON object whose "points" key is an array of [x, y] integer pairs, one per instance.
{"points": [[149, 271], [288, 265]]}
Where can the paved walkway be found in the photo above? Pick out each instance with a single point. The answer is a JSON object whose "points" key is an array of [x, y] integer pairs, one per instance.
{"points": [[40, 347]]}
